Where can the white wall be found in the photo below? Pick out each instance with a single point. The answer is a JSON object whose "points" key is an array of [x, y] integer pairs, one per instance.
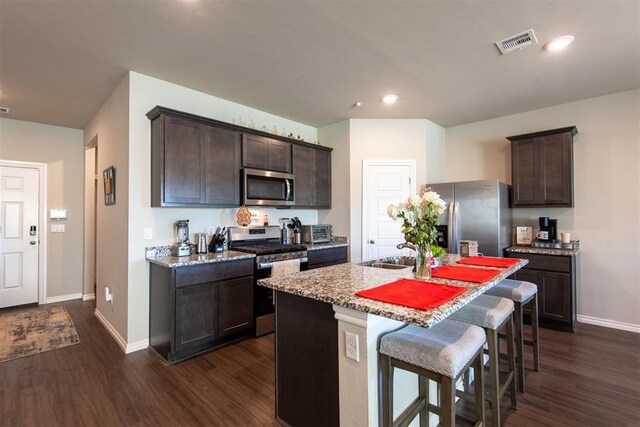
{"points": [[336, 136], [62, 150], [110, 128], [384, 139], [606, 216]]}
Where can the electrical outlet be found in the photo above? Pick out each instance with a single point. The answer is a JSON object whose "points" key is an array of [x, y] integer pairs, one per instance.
{"points": [[148, 233], [108, 296], [352, 346]]}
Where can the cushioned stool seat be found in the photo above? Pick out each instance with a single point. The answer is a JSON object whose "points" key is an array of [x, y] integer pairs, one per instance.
{"points": [[493, 314], [440, 353], [521, 293]]}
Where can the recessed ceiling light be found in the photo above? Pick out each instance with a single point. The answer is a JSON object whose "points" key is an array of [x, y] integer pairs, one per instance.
{"points": [[559, 43], [389, 99]]}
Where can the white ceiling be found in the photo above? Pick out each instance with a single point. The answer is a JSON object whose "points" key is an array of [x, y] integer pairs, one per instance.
{"points": [[311, 60]]}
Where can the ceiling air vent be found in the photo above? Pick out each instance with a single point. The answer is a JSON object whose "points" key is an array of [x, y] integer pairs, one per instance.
{"points": [[517, 42], [4, 110]]}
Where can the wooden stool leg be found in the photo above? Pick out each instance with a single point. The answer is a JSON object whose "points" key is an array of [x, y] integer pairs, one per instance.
{"points": [[386, 412], [448, 401], [423, 390], [511, 358], [494, 375], [534, 330], [519, 344], [478, 387]]}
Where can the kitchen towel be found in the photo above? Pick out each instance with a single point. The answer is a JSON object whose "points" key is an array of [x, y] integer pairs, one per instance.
{"points": [[284, 268], [489, 261], [413, 293], [465, 274]]}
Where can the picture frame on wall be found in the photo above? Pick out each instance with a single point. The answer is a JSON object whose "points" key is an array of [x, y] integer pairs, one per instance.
{"points": [[109, 179]]}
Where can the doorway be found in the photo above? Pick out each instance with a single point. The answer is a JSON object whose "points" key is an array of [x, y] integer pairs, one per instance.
{"points": [[22, 234], [384, 182]]}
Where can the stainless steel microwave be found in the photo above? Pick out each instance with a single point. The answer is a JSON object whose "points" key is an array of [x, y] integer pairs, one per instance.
{"points": [[267, 188]]}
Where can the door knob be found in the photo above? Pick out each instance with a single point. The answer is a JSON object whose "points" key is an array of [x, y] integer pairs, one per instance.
{"points": [[372, 241], [32, 242]]}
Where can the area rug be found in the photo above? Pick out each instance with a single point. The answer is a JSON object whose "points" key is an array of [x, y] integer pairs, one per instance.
{"points": [[36, 330]]}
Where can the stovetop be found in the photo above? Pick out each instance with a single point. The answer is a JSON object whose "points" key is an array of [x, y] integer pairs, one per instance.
{"points": [[271, 248]]}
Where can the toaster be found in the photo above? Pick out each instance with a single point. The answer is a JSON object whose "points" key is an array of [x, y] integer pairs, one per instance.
{"points": [[319, 233]]}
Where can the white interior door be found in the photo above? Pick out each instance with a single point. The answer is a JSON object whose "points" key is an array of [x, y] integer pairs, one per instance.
{"points": [[385, 182], [19, 236]]}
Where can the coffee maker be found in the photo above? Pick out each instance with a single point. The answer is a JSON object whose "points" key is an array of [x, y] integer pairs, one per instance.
{"points": [[548, 229]]}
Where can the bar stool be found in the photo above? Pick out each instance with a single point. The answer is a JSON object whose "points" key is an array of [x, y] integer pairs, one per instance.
{"points": [[441, 354], [521, 293], [493, 314]]}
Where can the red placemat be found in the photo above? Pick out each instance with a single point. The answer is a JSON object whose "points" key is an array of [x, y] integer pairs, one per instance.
{"points": [[413, 293], [489, 261], [466, 274]]}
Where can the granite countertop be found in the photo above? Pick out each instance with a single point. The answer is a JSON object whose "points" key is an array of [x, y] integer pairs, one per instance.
{"points": [[161, 255], [336, 242], [557, 251], [338, 285]]}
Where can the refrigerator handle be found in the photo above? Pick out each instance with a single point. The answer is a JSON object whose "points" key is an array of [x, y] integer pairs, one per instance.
{"points": [[456, 227], [450, 234]]}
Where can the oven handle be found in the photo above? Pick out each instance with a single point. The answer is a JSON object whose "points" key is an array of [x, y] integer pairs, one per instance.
{"points": [[266, 265]]}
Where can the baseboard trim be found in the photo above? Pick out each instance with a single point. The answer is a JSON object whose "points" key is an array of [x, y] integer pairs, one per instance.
{"points": [[121, 342], [87, 297], [126, 348], [609, 323], [60, 298]]}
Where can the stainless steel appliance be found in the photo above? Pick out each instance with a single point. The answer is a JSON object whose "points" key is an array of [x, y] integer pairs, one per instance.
{"points": [[272, 258], [182, 247], [319, 233], [476, 210], [267, 188]]}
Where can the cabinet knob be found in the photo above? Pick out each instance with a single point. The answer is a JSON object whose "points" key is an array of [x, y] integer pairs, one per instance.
{"points": [[372, 241]]}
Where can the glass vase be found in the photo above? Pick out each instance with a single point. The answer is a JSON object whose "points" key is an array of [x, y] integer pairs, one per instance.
{"points": [[423, 263]]}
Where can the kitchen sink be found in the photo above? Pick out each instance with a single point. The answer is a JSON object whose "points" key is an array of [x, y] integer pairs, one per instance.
{"points": [[392, 263]]}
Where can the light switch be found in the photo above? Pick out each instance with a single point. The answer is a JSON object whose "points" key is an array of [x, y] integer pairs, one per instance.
{"points": [[58, 213], [57, 228], [148, 233]]}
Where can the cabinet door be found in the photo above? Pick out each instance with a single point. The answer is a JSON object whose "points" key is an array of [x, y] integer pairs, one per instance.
{"points": [[323, 179], [524, 163], [265, 153], [554, 296], [222, 159], [196, 319], [305, 173], [235, 305], [325, 257], [184, 166], [556, 169]]}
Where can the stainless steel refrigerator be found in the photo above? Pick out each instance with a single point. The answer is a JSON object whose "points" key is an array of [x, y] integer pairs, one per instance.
{"points": [[476, 210]]}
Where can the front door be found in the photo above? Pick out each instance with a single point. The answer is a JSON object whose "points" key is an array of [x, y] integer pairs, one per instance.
{"points": [[385, 182], [19, 236]]}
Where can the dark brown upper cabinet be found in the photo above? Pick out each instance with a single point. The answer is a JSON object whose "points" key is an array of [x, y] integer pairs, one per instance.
{"points": [[542, 168], [197, 162], [259, 152], [192, 163], [312, 169]]}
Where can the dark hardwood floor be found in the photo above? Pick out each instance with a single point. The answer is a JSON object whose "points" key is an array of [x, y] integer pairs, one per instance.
{"points": [[591, 378]]}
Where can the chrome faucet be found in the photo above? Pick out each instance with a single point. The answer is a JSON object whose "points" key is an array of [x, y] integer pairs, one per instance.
{"points": [[406, 245]]}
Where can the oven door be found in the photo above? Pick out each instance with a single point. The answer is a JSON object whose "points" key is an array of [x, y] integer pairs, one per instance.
{"points": [[263, 307]]}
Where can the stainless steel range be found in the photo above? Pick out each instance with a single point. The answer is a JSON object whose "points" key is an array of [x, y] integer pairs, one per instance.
{"points": [[273, 258]]}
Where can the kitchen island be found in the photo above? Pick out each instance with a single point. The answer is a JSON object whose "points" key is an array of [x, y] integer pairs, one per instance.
{"points": [[317, 380]]}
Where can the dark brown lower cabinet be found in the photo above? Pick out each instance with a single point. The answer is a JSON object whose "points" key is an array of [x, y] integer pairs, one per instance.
{"points": [[196, 308], [307, 388], [325, 257], [556, 279]]}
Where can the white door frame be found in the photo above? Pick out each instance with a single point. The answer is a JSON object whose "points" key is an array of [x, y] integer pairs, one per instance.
{"points": [[42, 221], [365, 190]]}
